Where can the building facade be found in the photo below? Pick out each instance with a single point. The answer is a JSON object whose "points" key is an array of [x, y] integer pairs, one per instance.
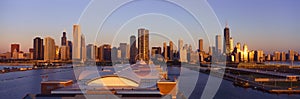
{"points": [[76, 46], [49, 49], [38, 49], [143, 44], [133, 49]]}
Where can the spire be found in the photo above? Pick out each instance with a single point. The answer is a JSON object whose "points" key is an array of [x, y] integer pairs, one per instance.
{"points": [[64, 30], [227, 26]]}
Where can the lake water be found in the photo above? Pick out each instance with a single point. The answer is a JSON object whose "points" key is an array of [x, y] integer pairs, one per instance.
{"points": [[295, 63], [15, 85]]}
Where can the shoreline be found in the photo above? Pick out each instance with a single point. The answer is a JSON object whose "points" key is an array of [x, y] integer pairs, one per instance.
{"points": [[244, 83], [16, 64]]}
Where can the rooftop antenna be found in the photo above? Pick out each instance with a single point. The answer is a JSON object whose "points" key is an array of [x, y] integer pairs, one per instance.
{"points": [[227, 26], [64, 30]]}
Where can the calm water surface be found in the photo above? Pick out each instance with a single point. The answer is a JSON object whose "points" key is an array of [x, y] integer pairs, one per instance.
{"points": [[15, 85]]}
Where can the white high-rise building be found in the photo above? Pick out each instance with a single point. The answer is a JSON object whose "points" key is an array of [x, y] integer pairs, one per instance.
{"points": [[49, 49], [76, 50], [245, 48], [231, 45], [183, 55], [180, 49]]}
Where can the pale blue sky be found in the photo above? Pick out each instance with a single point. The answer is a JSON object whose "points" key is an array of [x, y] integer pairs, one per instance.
{"points": [[262, 24]]}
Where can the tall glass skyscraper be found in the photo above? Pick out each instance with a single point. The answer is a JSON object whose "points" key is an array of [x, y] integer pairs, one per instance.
{"points": [[226, 40], [64, 39], [38, 53], [143, 44], [133, 49]]}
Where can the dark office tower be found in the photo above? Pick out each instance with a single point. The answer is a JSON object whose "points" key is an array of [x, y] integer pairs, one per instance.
{"points": [[133, 49], [14, 47], [64, 39], [70, 49], [201, 45], [143, 44], [226, 42], [106, 52], [38, 47]]}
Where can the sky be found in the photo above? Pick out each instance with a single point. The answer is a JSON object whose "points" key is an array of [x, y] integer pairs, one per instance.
{"points": [[261, 24]]}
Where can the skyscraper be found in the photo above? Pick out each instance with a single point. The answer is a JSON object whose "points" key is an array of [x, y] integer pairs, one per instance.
{"points": [[210, 50], [231, 44], [218, 44], [64, 52], [245, 48], [201, 45], [291, 55], [76, 50], [143, 44], [165, 48], [133, 49], [238, 47], [70, 49], [180, 48], [83, 48], [128, 51], [31, 51], [189, 52], [14, 48], [226, 45], [64, 39], [96, 52], [100, 53], [38, 48], [171, 51], [49, 49], [57, 52], [276, 56], [107, 52], [183, 54], [283, 56], [259, 56], [180, 44], [123, 47], [90, 52]]}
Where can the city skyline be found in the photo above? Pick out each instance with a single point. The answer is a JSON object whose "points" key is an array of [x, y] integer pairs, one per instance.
{"points": [[76, 29], [242, 30], [149, 49]]}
